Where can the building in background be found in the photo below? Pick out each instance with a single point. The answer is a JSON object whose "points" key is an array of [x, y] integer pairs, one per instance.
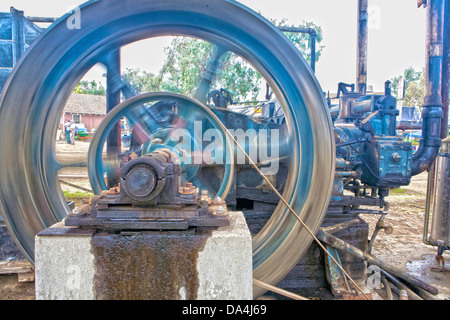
{"points": [[86, 110]]}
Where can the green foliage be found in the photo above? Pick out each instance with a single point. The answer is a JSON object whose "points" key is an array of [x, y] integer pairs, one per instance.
{"points": [[187, 58], [239, 77], [398, 191], [142, 81], [415, 92], [185, 64], [90, 87], [414, 87]]}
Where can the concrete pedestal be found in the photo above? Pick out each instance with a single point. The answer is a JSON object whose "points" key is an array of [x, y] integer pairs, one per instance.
{"points": [[77, 264]]}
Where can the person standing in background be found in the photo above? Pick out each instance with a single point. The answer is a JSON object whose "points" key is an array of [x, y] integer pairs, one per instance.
{"points": [[73, 131], [67, 131]]}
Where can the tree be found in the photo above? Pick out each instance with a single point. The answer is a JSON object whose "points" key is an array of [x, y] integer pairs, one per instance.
{"points": [[414, 93], [90, 87], [187, 59], [410, 75], [142, 81], [414, 87]]}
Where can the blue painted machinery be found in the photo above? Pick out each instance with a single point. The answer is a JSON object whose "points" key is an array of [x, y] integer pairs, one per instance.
{"points": [[17, 33]]}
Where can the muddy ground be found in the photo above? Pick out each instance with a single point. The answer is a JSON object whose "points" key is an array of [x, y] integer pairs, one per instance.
{"points": [[402, 248]]}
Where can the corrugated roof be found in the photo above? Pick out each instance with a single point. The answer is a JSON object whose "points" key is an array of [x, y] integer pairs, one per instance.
{"points": [[86, 104]]}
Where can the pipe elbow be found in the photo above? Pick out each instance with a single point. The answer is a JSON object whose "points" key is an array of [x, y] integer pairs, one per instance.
{"points": [[431, 141], [423, 159]]}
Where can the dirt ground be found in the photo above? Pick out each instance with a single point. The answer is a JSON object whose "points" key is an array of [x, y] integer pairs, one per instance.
{"points": [[403, 248]]}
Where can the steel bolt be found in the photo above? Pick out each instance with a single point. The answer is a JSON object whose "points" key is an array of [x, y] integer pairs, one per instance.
{"points": [[133, 155], [396, 157], [220, 210]]}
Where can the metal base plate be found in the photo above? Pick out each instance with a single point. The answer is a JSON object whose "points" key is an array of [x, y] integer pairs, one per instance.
{"points": [[86, 221]]}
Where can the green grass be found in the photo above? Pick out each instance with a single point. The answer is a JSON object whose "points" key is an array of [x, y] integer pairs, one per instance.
{"points": [[77, 195], [398, 191]]}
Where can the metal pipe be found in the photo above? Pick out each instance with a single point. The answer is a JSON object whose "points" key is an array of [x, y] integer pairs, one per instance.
{"points": [[75, 186], [42, 19], [362, 106], [340, 226], [297, 29], [434, 49], [278, 290], [73, 176], [346, 174], [387, 287], [363, 36], [400, 286], [404, 127], [445, 91], [18, 35], [430, 143], [375, 234], [334, 111], [342, 245], [426, 223], [312, 41]]}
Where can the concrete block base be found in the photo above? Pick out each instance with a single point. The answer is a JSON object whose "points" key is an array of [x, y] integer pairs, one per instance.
{"points": [[203, 264]]}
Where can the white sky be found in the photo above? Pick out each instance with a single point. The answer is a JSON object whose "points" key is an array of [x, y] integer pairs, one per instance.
{"points": [[396, 35]]}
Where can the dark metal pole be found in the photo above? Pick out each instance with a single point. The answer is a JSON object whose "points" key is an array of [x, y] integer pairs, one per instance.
{"points": [[363, 35], [445, 91], [114, 141], [312, 41], [434, 52], [42, 19], [18, 36], [423, 158], [297, 29]]}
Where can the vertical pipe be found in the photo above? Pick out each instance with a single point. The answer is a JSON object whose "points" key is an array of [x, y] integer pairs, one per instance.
{"points": [[445, 70], [113, 143], [363, 35], [18, 36], [430, 143], [312, 39], [434, 52]]}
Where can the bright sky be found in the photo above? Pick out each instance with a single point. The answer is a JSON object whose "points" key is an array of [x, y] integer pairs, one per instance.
{"points": [[396, 35]]}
